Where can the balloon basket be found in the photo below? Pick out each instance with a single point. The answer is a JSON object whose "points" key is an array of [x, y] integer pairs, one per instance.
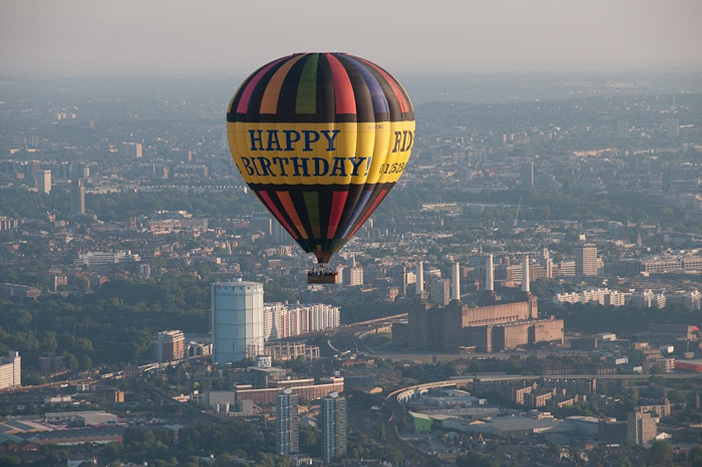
{"points": [[323, 275]]}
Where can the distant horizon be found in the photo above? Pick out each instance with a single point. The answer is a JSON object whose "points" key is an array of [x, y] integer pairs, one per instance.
{"points": [[6, 76], [423, 87]]}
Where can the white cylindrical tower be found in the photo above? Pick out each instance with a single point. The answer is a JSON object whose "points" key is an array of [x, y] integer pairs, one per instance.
{"points": [[237, 320], [456, 282], [525, 274], [420, 278], [489, 274]]}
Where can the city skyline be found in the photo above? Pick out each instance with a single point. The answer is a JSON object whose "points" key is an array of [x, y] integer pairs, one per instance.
{"points": [[83, 38]]}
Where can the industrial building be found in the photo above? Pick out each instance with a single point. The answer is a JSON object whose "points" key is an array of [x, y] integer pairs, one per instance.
{"points": [[493, 326]]}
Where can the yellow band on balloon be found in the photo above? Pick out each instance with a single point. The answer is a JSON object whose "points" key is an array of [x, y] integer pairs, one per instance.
{"points": [[321, 153]]}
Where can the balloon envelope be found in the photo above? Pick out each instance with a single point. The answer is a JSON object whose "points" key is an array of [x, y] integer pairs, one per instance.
{"points": [[321, 138]]}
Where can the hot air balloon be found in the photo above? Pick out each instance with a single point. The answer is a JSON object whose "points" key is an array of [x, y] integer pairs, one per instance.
{"points": [[321, 138]]}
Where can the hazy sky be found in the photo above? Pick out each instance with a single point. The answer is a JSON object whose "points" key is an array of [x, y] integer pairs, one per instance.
{"points": [[135, 37]]}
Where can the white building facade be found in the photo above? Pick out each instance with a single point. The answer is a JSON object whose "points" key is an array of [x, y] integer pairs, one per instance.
{"points": [[237, 320], [283, 320], [11, 370]]}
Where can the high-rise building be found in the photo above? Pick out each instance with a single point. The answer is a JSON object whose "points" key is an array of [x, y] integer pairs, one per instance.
{"points": [[167, 346], [526, 174], [547, 263], [131, 150], [456, 282], [641, 428], [145, 271], [354, 276], [526, 277], [333, 426], [11, 370], [489, 274], [287, 436], [439, 292], [76, 171], [672, 128], [586, 260], [77, 197], [237, 320], [44, 181], [419, 281]]}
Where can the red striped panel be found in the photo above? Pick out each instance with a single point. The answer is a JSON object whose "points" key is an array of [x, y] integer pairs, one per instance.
{"points": [[271, 207], [337, 208], [344, 99], [290, 209]]}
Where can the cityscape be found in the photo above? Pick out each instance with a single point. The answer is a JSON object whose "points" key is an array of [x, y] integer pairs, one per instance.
{"points": [[528, 292]]}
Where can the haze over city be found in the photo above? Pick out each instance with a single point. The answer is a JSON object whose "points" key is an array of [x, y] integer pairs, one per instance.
{"points": [[159, 37], [491, 257]]}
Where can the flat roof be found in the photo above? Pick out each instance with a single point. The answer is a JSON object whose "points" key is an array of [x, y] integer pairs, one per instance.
{"points": [[420, 416]]}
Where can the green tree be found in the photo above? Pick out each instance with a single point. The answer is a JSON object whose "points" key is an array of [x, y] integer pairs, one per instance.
{"points": [[659, 453], [476, 459], [33, 379], [86, 363], [677, 396], [695, 455], [310, 440]]}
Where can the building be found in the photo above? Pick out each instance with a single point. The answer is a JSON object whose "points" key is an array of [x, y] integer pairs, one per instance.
{"points": [[237, 320], [546, 263], [354, 276], [439, 292], [11, 370], [17, 290], [667, 333], [145, 271], [51, 364], [332, 423], [526, 174], [304, 388], [44, 181], [105, 259], [282, 320], [131, 151], [287, 437], [108, 396], [285, 351], [611, 432], [167, 346], [586, 260], [77, 197], [641, 428], [689, 365], [665, 264], [487, 328]]}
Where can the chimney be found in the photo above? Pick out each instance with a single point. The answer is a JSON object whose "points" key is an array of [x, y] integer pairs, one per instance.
{"points": [[525, 274], [489, 274], [456, 282], [420, 278]]}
